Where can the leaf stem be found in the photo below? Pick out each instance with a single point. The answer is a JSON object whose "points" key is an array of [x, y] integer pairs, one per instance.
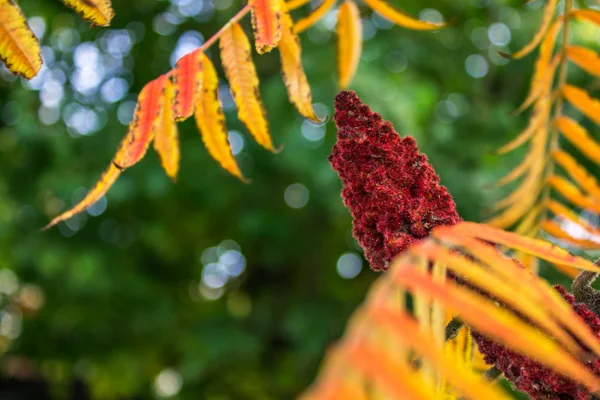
{"points": [[213, 39]]}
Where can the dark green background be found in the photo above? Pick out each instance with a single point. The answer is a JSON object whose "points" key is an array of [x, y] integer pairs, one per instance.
{"points": [[118, 308]]}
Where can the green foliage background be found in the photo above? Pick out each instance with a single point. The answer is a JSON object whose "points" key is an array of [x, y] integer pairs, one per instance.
{"points": [[121, 302]]}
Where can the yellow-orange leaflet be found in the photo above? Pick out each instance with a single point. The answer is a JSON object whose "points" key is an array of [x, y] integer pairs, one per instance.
{"points": [[266, 16], [104, 183], [293, 73], [308, 21], [187, 83], [97, 12], [583, 102], [549, 11], [241, 74], [146, 119], [211, 121], [579, 138], [349, 42], [400, 18], [19, 48], [166, 138], [586, 59]]}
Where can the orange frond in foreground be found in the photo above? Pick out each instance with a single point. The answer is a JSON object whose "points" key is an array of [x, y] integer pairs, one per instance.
{"points": [[538, 325], [19, 48], [97, 12], [211, 121], [294, 77], [166, 138], [243, 80], [187, 83], [349, 42], [400, 18], [266, 21]]}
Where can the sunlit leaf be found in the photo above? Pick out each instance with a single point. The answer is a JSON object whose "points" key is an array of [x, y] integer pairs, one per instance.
{"points": [[349, 42], [583, 102], [579, 138], [401, 18], [577, 172], [166, 138], [241, 74], [293, 73], [573, 194], [187, 84], [314, 17], [211, 121], [97, 12], [266, 21], [19, 48], [585, 58]]}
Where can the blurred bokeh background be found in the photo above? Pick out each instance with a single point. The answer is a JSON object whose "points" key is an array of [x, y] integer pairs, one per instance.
{"points": [[211, 288]]}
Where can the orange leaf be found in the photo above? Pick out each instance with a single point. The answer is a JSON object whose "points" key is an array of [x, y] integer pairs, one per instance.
{"points": [[19, 48], [584, 229], [349, 42], [588, 14], [579, 138], [499, 324], [211, 121], [166, 138], [578, 173], [97, 12], [266, 16], [535, 122], [293, 74], [547, 15], [555, 230], [583, 102], [545, 68], [187, 83], [314, 17], [400, 18], [585, 58], [573, 194], [241, 73], [104, 183], [146, 120]]}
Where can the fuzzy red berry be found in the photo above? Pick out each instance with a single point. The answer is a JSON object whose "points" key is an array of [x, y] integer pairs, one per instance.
{"points": [[392, 191]]}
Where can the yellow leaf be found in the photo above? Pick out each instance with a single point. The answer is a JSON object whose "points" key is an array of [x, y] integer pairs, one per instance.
{"points": [[529, 223], [573, 194], [293, 74], [19, 48], [349, 42], [400, 18], [583, 230], [545, 69], [266, 16], [166, 138], [106, 181], [211, 121], [96, 12], [241, 73], [518, 171], [583, 102], [587, 14], [314, 17], [547, 15], [580, 138], [578, 173], [535, 122], [585, 58]]}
